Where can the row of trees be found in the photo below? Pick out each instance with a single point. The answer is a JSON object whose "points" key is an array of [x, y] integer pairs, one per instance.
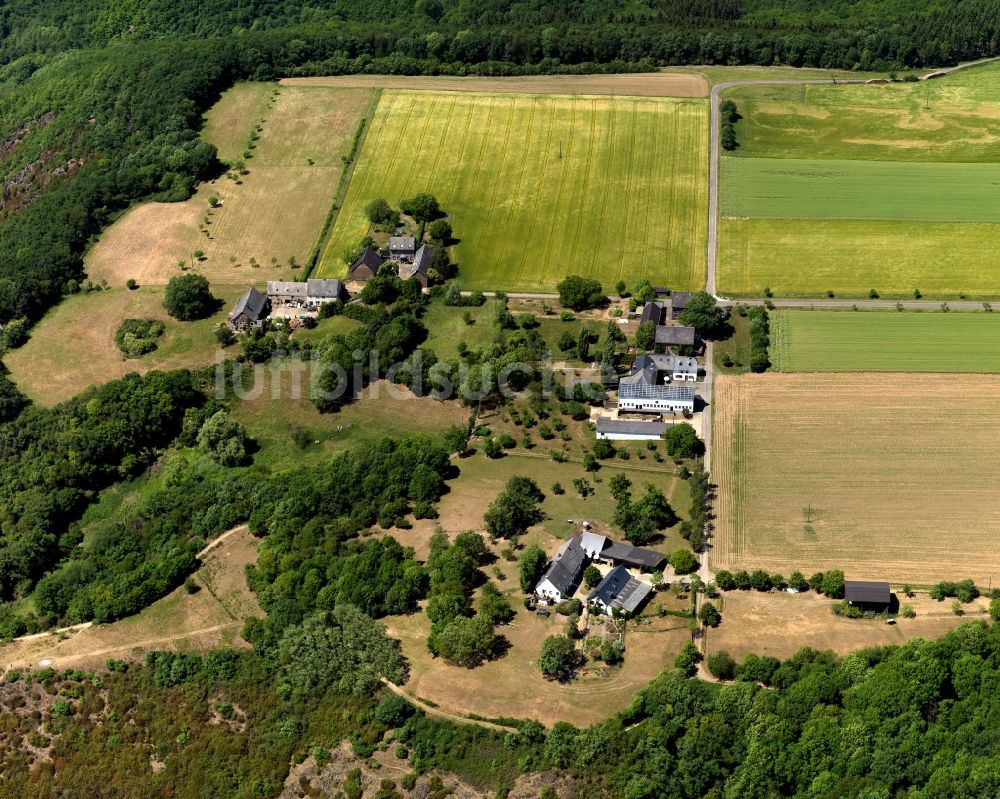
{"points": [[830, 583]]}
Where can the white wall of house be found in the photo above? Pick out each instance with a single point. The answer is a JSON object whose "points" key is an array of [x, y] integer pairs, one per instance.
{"points": [[546, 589], [629, 436], [656, 405]]}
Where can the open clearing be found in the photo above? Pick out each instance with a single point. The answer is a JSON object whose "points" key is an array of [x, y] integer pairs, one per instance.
{"points": [[275, 213], [886, 478], [884, 341], [652, 84], [539, 187], [209, 618], [807, 258], [955, 118], [73, 346], [779, 624], [513, 687], [789, 188]]}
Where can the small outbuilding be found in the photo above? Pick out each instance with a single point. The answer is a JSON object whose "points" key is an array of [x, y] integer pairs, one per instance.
{"points": [[674, 335], [868, 595], [626, 430], [678, 302], [366, 265]]}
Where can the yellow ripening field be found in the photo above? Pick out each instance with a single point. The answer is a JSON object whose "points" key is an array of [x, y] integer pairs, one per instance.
{"points": [[889, 476]]}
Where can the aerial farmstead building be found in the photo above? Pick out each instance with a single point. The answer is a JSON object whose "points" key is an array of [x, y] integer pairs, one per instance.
{"points": [[619, 591], [868, 595], [645, 388]]}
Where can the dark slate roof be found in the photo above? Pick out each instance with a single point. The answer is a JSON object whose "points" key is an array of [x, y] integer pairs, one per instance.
{"points": [[605, 424], [324, 288], [402, 244], [679, 300], [877, 593], [421, 262], [633, 556], [370, 258], [566, 566], [619, 589], [251, 304], [652, 312], [674, 334]]}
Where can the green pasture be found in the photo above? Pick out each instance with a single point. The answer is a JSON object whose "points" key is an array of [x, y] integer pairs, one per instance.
{"points": [[542, 186], [884, 341], [791, 188], [954, 118], [807, 258]]}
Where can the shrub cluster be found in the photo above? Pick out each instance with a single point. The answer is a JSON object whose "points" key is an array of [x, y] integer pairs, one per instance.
{"points": [[728, 117], [760, 331], [136, 337]]}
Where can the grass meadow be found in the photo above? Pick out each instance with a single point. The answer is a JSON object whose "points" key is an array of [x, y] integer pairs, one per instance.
{"points": [[950, 119], [540, 186], [884, 341], [807, 258], [791, 188], [884, 186], [272, 215], [825, 471]]}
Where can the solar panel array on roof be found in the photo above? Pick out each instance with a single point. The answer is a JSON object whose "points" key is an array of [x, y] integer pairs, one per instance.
{"points": [[646, 391]]}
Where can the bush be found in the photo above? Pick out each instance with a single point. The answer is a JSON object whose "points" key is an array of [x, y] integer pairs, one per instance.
{"points": [[683, 442], [188, 297], [136, 337], [687, 660], [709, 615], [580, 293], [721, 665], [683, 561], [393, 710], [559, 658], [131, 285], [224, 439], [591, 576]]}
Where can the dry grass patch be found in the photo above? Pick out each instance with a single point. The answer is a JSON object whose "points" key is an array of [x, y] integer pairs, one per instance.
{"points": [[74, 345], [209, 618], [514, 687], [274, 214], [779, 624], [652, 84], [891, 477]]}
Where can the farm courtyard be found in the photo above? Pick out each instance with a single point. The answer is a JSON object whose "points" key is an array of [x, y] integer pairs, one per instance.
{"points": [[889, 477], [542, 186]]}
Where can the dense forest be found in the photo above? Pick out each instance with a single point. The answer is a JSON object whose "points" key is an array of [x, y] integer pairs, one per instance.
{"points": [[919, 721]]}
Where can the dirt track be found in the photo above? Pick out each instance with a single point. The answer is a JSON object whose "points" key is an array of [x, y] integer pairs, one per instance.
{"points": [[645, 84]]}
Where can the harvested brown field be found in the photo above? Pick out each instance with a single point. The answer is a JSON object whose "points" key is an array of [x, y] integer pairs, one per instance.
{"points": [[644, 84], [209, 618], [273, 214], [888, 476], [779, 624]]}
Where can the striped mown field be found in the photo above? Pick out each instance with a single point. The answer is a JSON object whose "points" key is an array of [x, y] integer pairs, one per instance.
{"points": [[886, 477], [884, 341], [542, 186]]}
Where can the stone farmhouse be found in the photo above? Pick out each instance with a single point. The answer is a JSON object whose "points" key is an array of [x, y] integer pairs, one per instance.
{"points": [[564, 573], [619, 590], [308, 294], [669, 335], [411, 263], [250, 312]]}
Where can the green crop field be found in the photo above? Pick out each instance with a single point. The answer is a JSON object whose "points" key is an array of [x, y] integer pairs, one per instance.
{"points": [[807, 258], [542, 186], [955, 118], [884, 341], [791, 188]]}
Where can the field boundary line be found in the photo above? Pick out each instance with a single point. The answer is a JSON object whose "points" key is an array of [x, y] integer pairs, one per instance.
{"points": [[343, 183]]}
